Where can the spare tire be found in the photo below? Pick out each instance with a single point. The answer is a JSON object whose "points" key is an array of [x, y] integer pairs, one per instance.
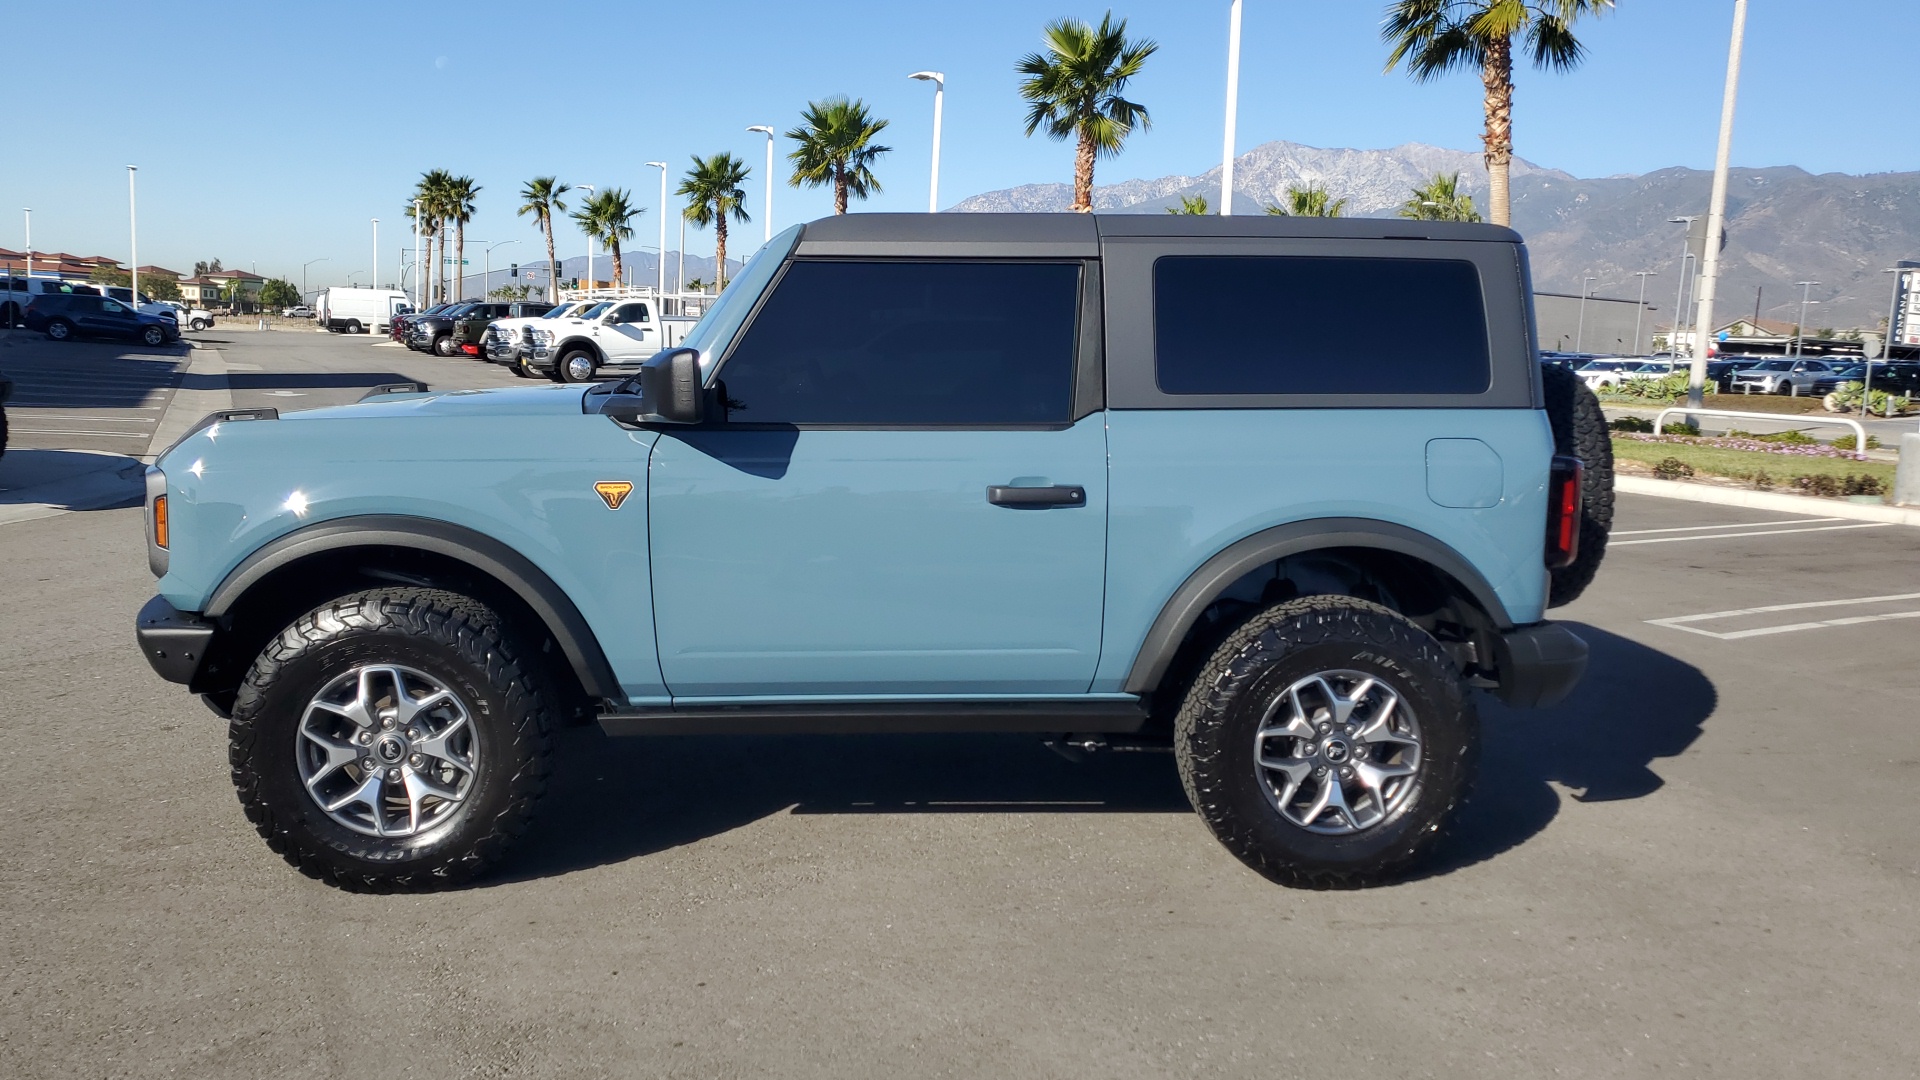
{"points": [[1580, 430]]}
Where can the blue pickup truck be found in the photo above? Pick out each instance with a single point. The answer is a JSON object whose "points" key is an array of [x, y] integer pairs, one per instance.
{"points": [[1119, 477]]}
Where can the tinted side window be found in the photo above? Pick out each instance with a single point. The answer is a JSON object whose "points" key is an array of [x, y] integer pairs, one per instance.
{"points": [[910, 343], [1315, 325]]}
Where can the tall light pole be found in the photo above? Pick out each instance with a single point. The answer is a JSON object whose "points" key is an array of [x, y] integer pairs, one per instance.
{"points": [[28, 211], [373, 268], [419, 267], [583, 228], [681, 285], [1717, 212], [133, 237], [660, 289], [1580, 328], [487, 282], [939, 81], [1680, 288], [303, 276], [1643, 275], [1233, 109], [1800, 329], [769, 134]]}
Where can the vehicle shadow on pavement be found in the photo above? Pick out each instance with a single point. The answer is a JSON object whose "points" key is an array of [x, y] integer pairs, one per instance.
{"points": [[291, 380], [1635, 706], [613, 799], [70, 479]]}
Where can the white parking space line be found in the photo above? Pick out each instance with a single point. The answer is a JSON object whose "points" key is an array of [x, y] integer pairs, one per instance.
{"points": [[1744, 535], [101, 434], [99, 419], [1682, 622], [1710, 528]]}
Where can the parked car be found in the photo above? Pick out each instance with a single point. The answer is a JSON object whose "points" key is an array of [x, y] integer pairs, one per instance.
{"points": [[434, 333], [64, 317], [1781, 376], [397, 326], [509, 341], [859, 497], [470, 330], [616, 337], [297, 311], [1599, 373], [16, 292]]}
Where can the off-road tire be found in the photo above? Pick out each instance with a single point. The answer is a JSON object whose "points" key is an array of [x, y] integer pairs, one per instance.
{"points": [[1214, 740], [1580, 430], [452, 637]]}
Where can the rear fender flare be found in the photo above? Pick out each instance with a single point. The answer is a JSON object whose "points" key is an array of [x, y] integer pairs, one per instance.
{"points": [[1214, 576], [547, 600]]}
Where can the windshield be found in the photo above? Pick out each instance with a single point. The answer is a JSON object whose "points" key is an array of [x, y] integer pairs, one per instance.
{"points": [[716, 328], [1602, 365], [557, 311], [595, 310]]}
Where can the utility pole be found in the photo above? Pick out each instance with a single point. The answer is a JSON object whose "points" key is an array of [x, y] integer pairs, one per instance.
{"points": [[1717, 211], [1643, 275], [1233, 109], [373, 268], [133, 237]]}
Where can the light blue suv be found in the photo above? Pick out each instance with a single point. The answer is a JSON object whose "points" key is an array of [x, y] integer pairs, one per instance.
{"points": [[1103, 477]]}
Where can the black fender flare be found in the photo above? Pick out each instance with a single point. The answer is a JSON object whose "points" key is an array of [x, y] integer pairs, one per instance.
{"points": [[482, 552], [1240, 558]]}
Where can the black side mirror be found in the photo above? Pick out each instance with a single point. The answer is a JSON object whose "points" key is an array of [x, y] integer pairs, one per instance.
{"points": [[670, 383]]}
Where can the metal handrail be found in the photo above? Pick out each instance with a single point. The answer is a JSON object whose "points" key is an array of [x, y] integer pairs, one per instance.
{"points": [[1859, 432]]}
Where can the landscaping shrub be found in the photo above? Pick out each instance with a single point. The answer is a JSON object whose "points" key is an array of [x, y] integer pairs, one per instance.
{"points": [[1763, 480], [1632, 423], [1847, 399], [1838, 485], [1674, 469], [1845, 442]]}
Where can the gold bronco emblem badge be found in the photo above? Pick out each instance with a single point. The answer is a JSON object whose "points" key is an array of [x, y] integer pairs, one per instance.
{"points": [[613, 492]]}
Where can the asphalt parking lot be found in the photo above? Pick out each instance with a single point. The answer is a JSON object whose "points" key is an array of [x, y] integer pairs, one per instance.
{"points": [[1703, 863]]}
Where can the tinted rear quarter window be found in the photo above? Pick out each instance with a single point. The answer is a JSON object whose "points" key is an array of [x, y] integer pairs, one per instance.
{"points": [[1319, 325], [910, 343]]}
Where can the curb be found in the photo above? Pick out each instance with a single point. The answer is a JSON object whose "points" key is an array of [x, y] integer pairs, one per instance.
{"points": [[118, 481], [1765, 500]]}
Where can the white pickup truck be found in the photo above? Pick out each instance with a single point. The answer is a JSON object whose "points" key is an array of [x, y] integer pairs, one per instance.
{"points": [[615, 334], [509, 341]]}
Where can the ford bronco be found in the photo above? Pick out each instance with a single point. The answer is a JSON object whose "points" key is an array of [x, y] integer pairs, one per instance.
{"points": [[1111, 477]]}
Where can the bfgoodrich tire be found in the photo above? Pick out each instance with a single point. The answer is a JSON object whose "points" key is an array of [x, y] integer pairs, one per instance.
{"points": [[1327, 743], [392, 740], [1580, 430]]}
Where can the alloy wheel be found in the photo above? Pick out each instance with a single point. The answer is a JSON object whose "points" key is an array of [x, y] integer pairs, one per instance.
{"points": [[1338, 752], [386, 750]]}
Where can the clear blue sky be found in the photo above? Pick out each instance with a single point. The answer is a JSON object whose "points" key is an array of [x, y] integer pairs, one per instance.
{"points": [[271, 135]]}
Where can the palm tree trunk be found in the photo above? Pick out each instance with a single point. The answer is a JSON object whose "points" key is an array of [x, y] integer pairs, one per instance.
{"points": [[553, 268], [1497, 76], [719, 250], [613, 242], [839, 188], [425, 274], [1083, 175], [460, 256]]}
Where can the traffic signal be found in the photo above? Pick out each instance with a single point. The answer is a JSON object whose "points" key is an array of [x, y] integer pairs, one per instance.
{"points": [[514, 271]]}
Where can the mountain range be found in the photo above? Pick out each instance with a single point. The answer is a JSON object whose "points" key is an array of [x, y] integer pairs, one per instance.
{"points": [[1784, 224]]}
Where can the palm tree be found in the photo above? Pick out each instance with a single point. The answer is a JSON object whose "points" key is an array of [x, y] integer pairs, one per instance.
{"points": [[1191, 206], [1440, 200], [1310, 201], [542, 199], [608, 218], [461, 191], [431, 192], [837, 147], [1075, 88], [712, 190], [1438, 36]]}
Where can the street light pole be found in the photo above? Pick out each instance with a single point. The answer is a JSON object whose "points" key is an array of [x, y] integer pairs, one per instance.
{"points": [[660, 288], [1800, 329], [769, 134], [419, 268], [1680, 287], [583, 228], [486, 283], [28, 211], [133, 237], [373, 268], [303, 276], [1717, 212], [681, 285], [1233, 109], [1643, 275], [939, 81], [1580, 329]]}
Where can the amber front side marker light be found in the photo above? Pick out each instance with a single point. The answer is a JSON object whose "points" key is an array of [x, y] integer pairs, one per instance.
{"points": [[160, 521]]}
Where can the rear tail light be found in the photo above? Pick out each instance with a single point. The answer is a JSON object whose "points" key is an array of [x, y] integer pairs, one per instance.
{"points": [[1563, 512]]}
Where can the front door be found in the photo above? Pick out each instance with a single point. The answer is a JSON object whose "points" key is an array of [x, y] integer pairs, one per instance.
{"points": [[901, 500], [627, 334]]}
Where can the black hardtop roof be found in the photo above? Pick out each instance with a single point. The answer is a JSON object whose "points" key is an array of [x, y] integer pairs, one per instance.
{"points": [[1081, 229]]}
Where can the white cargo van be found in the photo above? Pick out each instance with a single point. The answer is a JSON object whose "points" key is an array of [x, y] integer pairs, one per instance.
{"points": [[356, 311]]}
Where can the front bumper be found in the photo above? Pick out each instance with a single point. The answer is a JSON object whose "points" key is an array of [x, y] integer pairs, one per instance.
{"points": [[1539, 664], [502, 352], [175, 642]]}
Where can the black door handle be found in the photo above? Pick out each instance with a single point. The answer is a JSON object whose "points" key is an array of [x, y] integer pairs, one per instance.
{"points": [[1037, 498]]}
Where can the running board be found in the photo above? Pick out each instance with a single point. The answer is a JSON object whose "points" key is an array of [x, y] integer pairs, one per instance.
{"points": [[881, 718]]}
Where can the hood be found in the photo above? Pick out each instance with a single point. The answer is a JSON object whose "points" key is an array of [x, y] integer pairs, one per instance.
{"points": [[554, 400]]}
